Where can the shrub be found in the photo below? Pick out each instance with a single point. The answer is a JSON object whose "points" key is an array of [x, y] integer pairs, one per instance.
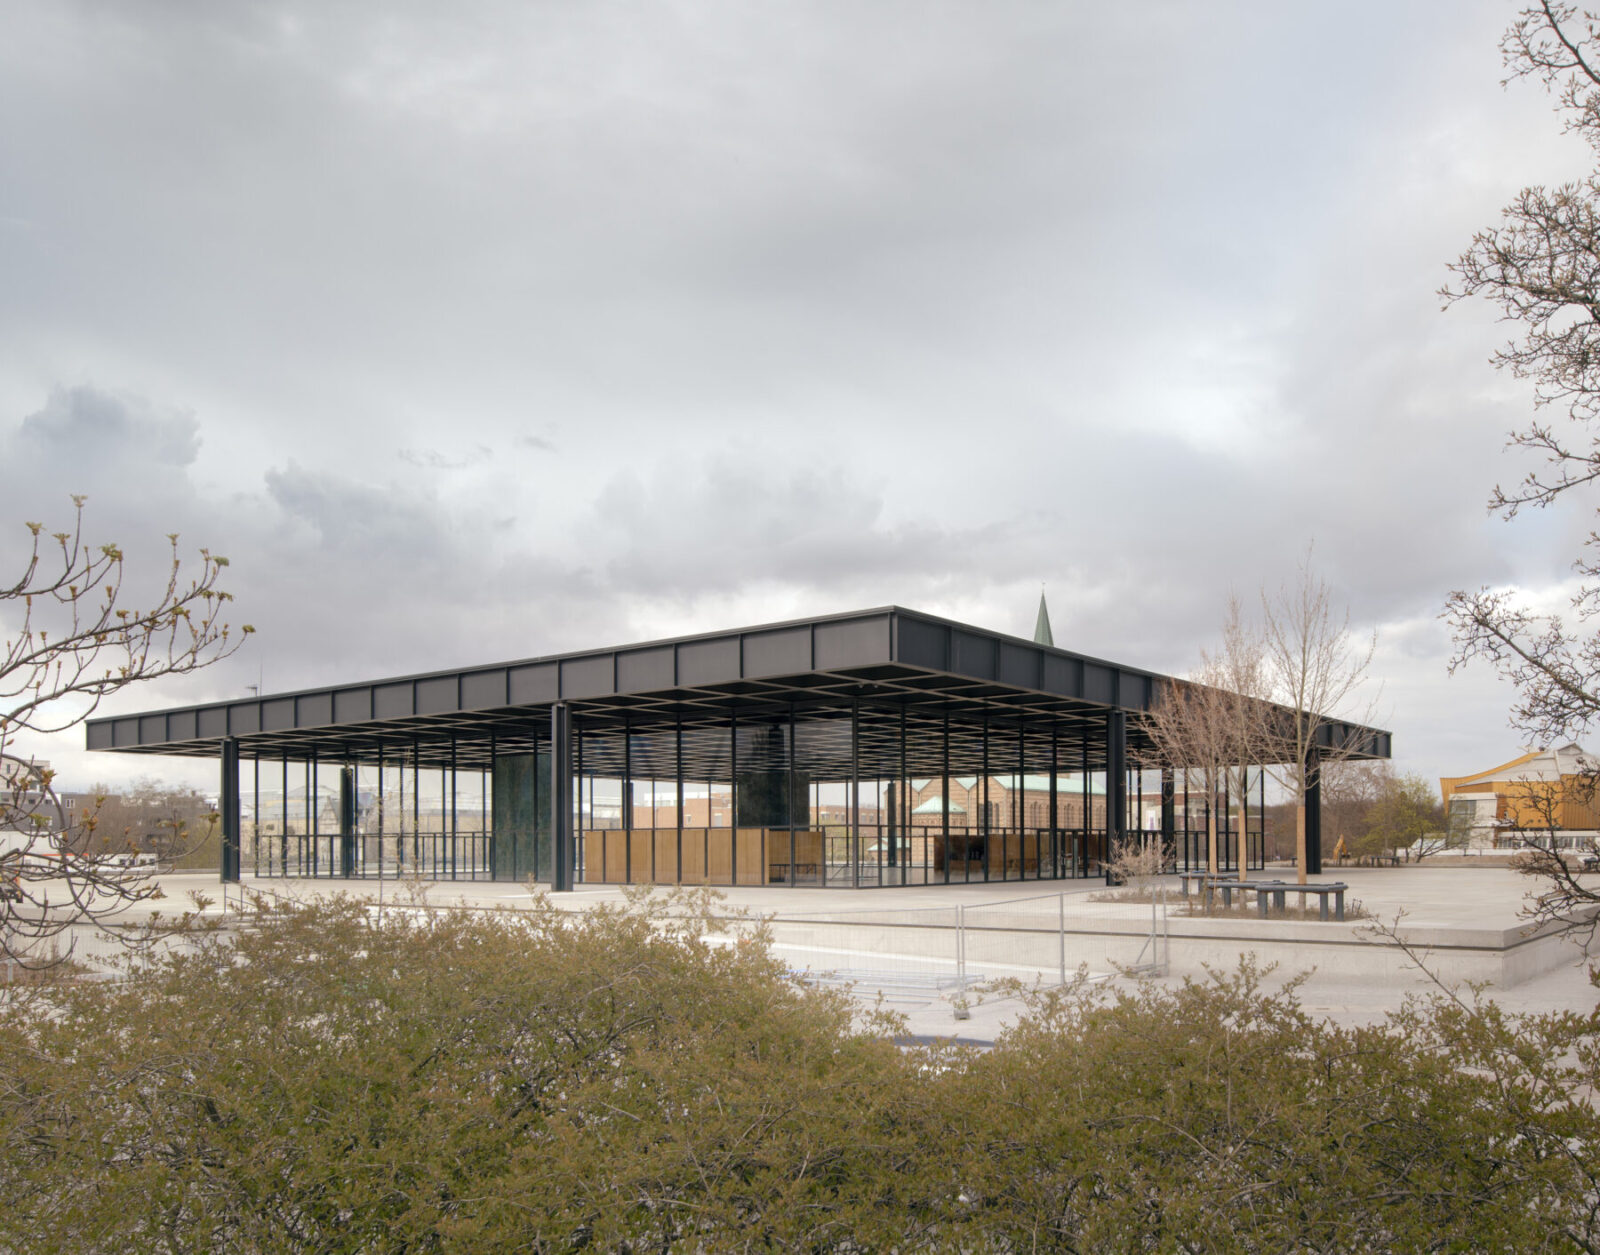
{"points": [[465, 1081]]}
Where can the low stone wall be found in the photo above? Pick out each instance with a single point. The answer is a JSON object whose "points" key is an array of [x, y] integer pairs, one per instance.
{"points": [[1501, 957]]}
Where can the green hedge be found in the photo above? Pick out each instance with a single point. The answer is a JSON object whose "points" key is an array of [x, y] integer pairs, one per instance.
{"points": [[540, 1082]]}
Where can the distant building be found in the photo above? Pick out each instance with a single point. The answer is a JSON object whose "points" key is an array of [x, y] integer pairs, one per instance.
{"points": [[1012, 802], [26, 805], [1542, 790]]}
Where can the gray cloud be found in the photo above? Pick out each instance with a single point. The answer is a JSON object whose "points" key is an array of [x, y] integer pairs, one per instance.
{"points": [[75, 421], [132, 460], [436, 460], [816, 305]]}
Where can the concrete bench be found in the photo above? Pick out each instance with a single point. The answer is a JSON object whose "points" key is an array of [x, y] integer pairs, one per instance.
{"points": [[1209, 882], [1276, 893]]}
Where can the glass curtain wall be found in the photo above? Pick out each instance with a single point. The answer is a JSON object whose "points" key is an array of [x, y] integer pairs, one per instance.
{"points": [[867, 796], [388, 817]]}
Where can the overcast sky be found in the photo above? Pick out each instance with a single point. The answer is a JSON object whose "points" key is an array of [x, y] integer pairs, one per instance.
{"points": [[487, 330]]}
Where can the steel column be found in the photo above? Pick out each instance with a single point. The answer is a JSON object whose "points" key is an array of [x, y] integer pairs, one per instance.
{"points": [[578, 851], [1261, 812], [228, 799], [1055, 818], [983, 827], [255, 817], [1020, 810], [677, 768], [313, 817], [283, 826], [561, 797], [855, 793], [627, 800], [1314, 814], [789, 801], [733, 797], [1188, 827], [1244, 822], [347, 822], [1169, 801], [1088, 804], [944, 799], [1116, 782], [895, 829], [382, 806]]}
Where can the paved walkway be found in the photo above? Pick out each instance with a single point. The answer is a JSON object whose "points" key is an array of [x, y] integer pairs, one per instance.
{"points": [[1444, 897], [1471, 897]]}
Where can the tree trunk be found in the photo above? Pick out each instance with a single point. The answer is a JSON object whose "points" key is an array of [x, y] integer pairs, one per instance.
{"points": [[1300, 842], [1211, 839], [1244, 842]]}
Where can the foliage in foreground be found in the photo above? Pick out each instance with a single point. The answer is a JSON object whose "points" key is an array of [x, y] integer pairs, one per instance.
{"points": [[611, 1082]]}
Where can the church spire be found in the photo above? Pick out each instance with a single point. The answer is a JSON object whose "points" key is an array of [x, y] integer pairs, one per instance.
{"points": [[1041, 627]]}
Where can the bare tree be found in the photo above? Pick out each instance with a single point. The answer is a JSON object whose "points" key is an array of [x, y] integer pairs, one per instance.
{"points": [[1541, 267], [1185, 727], [1315, 669], [175, 825], [1241, 679], [1349, 792], [76, 641], [1567, 897], [1207, 726], [1192, 733]]}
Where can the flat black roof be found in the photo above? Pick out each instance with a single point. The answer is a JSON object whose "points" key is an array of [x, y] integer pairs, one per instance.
{"points": [[915, 666]]}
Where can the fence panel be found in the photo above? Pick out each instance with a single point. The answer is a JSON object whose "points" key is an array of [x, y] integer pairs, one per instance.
{"points": [[1049, 937], [932, 951]]}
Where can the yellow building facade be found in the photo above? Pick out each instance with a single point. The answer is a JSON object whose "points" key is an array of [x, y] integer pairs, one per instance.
{"points": [[1538, 790]]}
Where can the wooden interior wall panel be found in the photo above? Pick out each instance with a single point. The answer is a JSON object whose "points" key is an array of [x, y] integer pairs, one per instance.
{"points": [[616, 857], [694, 856], [808, 851], [719, 856], [807, 855], [752, 858], [666, 843]]}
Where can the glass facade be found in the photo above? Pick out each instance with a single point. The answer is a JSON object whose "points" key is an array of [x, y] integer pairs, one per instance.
{"points": [[876, 796]]}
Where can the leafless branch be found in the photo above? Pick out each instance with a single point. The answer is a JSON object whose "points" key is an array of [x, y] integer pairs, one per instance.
{"points": [[76, 641]]}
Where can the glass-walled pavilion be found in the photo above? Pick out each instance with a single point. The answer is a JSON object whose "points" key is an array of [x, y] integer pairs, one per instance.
{"points": [[880, 748]]}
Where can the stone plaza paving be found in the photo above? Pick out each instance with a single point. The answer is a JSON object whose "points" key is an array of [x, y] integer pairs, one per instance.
{"points": [[1465, 921]]}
